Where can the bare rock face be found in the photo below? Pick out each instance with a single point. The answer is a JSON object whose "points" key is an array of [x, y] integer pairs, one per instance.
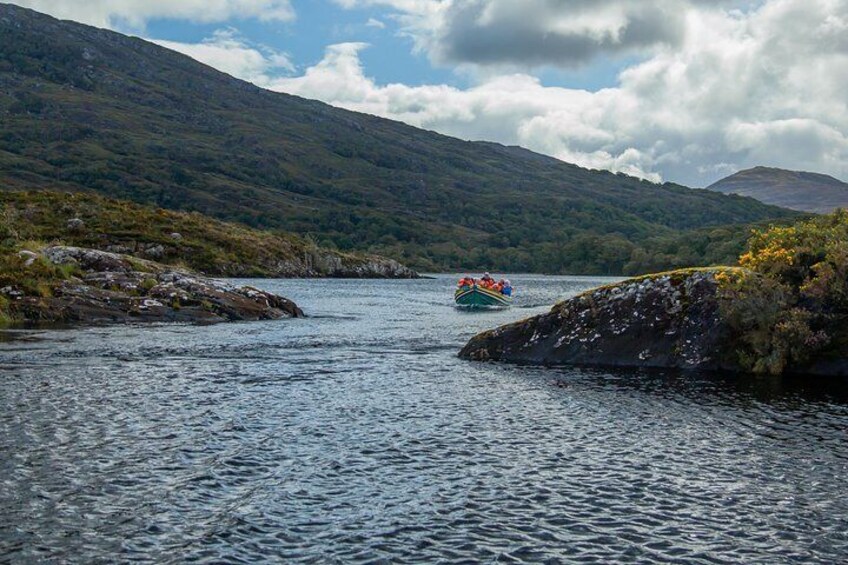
{"points": [[113, 288], [670, 320], [349, 267]]}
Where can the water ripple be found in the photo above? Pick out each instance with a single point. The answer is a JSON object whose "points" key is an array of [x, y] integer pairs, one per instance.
{"points": [[357, 436]]}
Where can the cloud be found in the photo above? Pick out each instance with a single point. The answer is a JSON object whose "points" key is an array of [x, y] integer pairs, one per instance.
{"points": [[741, 88], [536, 33], [135, 13], [230, 53], [374, 22], [551, 32]]}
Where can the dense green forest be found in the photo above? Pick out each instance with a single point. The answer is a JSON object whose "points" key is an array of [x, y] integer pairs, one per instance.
{"points": [[91, 110]]}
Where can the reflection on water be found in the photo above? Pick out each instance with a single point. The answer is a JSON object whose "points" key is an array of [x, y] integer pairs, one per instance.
{"points": [[356, 435]]}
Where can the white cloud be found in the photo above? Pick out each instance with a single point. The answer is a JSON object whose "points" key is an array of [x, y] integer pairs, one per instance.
{"points": [[228, 52], [135, 13], [374, 22], [740, 89]]}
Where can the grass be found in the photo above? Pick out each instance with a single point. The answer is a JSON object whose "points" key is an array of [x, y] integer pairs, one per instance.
{"points": [[36, 219]]}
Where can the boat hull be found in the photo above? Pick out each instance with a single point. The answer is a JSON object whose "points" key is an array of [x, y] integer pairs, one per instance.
{"points": [[476, 297]]}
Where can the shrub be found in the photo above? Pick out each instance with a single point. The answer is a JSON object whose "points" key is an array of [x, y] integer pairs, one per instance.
{"points": [[792, 302]]}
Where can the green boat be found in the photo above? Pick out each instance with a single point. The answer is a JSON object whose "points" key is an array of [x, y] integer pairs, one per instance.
{"points": [[477, 297]]}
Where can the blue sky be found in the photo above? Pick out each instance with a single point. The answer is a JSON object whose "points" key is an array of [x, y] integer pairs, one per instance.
{"points": [[681, 90], [391, 57]]}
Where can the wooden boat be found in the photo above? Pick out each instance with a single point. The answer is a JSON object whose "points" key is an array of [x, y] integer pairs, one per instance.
{"points": [[477, 297]]}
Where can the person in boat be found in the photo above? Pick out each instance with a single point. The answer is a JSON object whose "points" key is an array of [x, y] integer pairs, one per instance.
{"points": [[486, 281], [499, 286], [506, 290], [466, 282]]}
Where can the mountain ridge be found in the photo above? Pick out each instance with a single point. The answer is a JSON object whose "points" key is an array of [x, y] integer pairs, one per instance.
{"points": [[798, 190], [92, 110]]}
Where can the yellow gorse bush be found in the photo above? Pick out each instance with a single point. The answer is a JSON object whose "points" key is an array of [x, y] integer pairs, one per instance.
{"points": [[793, 301]]}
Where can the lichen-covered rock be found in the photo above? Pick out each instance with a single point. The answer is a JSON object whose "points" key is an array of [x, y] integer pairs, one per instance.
{"points": [[113, 288], [75, 225], [670, 320]]}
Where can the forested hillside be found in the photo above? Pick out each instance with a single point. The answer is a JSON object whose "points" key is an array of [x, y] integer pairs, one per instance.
{"points": [[92, 110]]}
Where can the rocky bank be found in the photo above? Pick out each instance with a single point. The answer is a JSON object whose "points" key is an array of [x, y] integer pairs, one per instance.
{"points": [[113, 288], [670, 320]]}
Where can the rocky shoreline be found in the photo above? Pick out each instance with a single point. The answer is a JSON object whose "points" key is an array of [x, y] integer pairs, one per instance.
{"points": [[288, 263], [109, 288], [670, 321]]}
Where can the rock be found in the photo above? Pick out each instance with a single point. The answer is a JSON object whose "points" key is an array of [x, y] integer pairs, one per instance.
{"points": [[155, 251], [11, 292], [115, 288], [669, 321], [28, 256], [120, 249], [176, 236], [75, 225], [91, 259]]}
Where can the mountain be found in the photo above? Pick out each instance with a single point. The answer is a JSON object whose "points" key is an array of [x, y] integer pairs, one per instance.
{"points": [[85, 109], [807, 192]]}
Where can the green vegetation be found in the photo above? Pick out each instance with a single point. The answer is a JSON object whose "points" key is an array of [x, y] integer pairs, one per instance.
{"points": [[790, 304], [91, 110], [191, 240], [31, 277]]}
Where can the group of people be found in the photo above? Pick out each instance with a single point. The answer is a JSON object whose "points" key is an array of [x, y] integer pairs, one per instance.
{"points": [[486, 281]]}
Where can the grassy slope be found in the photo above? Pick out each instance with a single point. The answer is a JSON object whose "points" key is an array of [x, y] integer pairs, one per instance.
{"points": [[85, 109], [205, 244], [811, 192]]}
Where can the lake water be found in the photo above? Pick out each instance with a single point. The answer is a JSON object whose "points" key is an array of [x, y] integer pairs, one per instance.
{"points": [[358, 436]]}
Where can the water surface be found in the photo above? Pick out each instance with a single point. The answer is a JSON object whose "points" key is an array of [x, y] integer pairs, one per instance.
{"points": [[356, 435]]}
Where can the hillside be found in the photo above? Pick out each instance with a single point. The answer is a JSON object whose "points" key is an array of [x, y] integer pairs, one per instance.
{"points": [[31, 220], [92, 110], [807, 192]]}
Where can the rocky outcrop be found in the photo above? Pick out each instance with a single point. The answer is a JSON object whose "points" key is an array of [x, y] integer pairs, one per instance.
{"points": [[112, 288], [670, 320], [330, 264]]}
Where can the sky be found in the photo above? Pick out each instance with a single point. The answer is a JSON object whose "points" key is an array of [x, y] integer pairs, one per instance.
{"points": [[687, 91]]}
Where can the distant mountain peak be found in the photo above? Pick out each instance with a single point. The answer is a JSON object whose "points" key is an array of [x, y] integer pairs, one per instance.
{"points": [[798, 190]]}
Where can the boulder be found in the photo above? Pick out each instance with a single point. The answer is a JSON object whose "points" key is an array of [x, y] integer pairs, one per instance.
{"points": [[155, 251], [670, 320], [29, 257], [75, 225]]}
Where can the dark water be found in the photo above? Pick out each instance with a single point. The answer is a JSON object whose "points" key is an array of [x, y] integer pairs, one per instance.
{"points": [[358, 436]]}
